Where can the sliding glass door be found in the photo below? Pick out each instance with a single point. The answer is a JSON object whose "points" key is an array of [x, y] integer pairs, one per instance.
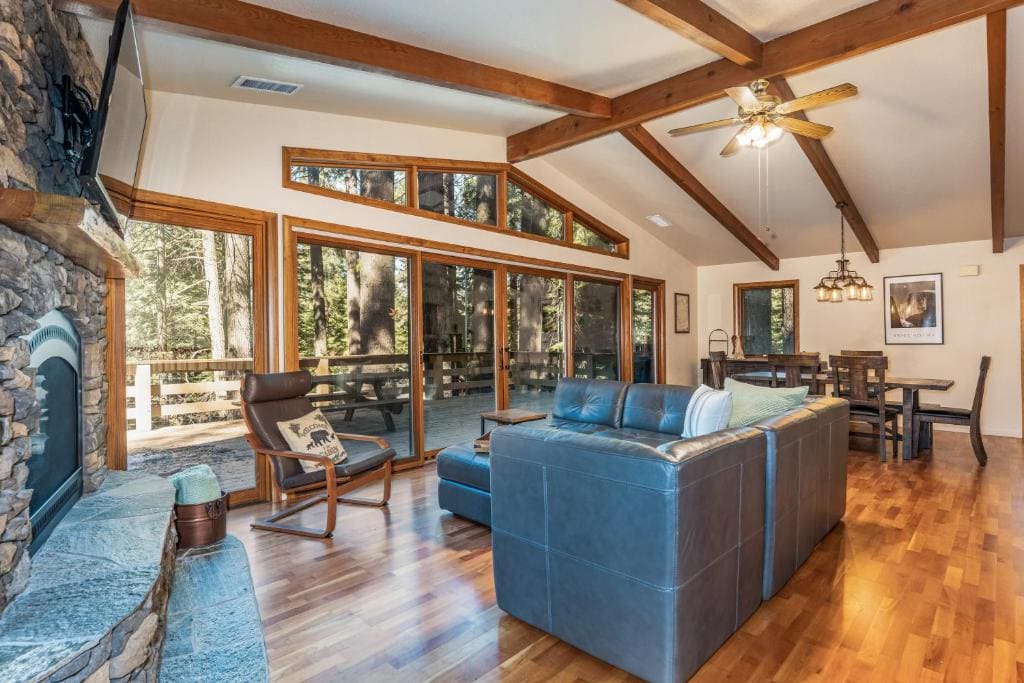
{"points": [[460, 373], [535, 337], [415, 345], [596, 328], [354, 335]]}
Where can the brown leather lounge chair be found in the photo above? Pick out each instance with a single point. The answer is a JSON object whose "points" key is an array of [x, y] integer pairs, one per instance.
{"points": [[273, 397]]}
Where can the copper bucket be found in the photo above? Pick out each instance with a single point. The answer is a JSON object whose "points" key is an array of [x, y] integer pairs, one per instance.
{"points": [[202, 523]]}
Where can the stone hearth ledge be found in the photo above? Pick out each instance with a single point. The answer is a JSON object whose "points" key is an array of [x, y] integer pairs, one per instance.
{"points": [[98, 588]]}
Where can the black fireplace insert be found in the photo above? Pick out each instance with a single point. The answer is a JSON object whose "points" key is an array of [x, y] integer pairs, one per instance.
{"points": [[55, 466]]}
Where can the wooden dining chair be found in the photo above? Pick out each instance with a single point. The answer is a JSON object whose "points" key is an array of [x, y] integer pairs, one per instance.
{"points": [[795, 367], [716, 359], [851, 381], [928, 415], [269, 398]]}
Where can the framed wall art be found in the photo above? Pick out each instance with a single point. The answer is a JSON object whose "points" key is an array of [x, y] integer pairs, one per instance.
{"points": [[682, 313], [913, 309]]}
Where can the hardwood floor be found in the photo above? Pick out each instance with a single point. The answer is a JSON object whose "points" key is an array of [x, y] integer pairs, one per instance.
{"points": [[923, 580]]}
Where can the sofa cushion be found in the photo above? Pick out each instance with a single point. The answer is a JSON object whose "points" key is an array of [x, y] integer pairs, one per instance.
{"points": [[571, 426], [656, 407], [707, 412], [642, 436], [751, 404], [462, 464], [597, 401]]}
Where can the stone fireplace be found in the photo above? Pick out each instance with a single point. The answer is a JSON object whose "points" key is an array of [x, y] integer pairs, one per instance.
{"points": [[40, 285]]}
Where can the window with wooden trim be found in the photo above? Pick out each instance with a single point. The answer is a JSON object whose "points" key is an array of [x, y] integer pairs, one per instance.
{"points": [[531, 214], [488, 196], [470, 196], [588, 237], [767, 316], [382, 184]]}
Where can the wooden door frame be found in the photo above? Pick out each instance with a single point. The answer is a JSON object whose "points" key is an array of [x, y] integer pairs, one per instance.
{"points": [[566, 321], [498, 323], [186, 212], [657, 288], [624, 341], [290, 311]]}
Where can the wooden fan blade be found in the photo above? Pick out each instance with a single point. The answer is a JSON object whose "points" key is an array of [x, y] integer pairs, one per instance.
{"points": [[743, 96], [817, 99], [686, 130], [801, 127], [733, 145]]}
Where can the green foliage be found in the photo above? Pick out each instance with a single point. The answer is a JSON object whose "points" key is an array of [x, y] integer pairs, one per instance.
{"points": [[527, 213], [336, 298]]}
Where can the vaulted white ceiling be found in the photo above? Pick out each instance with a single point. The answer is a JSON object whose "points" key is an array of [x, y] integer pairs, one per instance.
{"points": [[912, 147]]}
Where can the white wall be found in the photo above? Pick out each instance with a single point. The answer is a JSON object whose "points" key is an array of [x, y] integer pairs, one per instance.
{"points": [[231, 152], [982, 317]]}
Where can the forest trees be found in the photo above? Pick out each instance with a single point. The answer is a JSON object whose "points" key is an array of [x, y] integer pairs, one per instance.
{"points": [[193, 298]]}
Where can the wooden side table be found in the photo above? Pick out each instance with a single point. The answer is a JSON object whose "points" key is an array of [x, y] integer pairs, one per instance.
{"points": [[512, 416]]}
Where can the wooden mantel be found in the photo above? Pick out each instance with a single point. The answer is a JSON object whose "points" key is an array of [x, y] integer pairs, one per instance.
{"points": [[70, 226]]}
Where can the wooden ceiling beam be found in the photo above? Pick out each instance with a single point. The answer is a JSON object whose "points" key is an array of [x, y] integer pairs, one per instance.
{"points": [[695, 21], [997, 124], [826, 170], [670, 166], [866, 28], [261, 28]]}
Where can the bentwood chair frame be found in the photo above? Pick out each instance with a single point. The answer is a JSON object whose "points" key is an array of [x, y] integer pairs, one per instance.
{"points": [[850, 378], [334, 485], [794, 367], [929, 415]]}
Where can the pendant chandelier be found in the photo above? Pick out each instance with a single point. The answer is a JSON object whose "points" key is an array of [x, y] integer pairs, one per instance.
{"points": [[843, 281]]}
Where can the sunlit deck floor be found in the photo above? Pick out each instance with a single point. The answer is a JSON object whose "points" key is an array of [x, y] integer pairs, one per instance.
{"points": [[222, 446]]}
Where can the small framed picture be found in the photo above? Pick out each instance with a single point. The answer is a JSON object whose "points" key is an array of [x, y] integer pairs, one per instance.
{"points": [[913, 312], [682, 313]]}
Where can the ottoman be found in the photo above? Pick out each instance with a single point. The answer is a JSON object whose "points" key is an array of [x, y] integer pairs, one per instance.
{"points": [[464, 486]]}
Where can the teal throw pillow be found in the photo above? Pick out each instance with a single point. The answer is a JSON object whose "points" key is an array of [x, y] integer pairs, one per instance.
{"points": [[751, 404]]}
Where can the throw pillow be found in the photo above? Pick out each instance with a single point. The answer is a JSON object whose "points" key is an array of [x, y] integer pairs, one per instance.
{"points": [[312, 434], [751, 404], [707, 412]]}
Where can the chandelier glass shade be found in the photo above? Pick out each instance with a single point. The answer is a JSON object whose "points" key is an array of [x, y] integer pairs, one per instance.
{"points": [[843, 282]]}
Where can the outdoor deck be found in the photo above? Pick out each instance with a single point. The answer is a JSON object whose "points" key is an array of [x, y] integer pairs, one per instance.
{"points": [[222, 446]]}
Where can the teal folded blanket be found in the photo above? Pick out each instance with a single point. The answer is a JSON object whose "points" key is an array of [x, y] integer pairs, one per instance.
{"points": [[195, 485], [751, 404]]}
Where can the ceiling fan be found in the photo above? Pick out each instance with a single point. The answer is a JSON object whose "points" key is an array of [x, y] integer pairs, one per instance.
{"points": [[764, 116]]}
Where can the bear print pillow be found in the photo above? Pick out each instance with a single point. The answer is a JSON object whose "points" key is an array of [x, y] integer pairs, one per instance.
{"points": [[312, 434]]}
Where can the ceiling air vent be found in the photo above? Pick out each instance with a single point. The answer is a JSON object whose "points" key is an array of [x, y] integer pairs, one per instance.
{"points": [[265, 85]]}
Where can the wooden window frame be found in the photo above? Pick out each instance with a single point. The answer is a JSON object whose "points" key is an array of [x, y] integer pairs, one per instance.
{"points": [[657, 289], [261, 227], [737, 308], [413, 165]]}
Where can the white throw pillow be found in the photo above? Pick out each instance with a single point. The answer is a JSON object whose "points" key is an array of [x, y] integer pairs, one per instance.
{"points": [[708, 411], [312, 434]]}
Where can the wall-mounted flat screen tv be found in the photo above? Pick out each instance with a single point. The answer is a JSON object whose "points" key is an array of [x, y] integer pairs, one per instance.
{"points": [[110, 163]]}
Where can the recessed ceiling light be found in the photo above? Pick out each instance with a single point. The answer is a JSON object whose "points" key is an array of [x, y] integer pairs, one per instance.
{"points": [[659, 220]]}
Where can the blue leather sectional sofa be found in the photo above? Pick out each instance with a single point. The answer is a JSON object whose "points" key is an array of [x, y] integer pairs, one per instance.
{"points": [[646, 550]]}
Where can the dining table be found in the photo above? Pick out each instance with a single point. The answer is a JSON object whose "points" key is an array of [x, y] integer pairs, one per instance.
{"points": [[910, 386]]}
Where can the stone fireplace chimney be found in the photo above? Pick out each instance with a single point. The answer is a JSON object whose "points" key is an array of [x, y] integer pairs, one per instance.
{"points": [[37, 47]]}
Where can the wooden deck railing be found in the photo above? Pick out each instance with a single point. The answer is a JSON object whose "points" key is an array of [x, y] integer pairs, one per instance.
{"points": [[154, 395]]}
